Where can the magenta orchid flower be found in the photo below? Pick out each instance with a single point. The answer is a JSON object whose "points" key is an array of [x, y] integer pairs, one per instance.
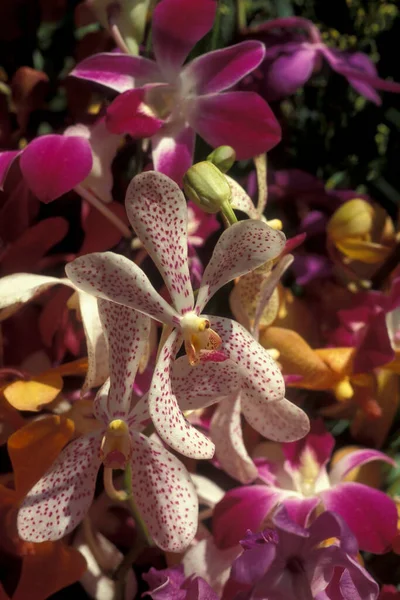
{"points": [[167, 102], [300, 482], [157, 211], [162, 488], [372, 326], [169, 584], [290, 562], [290, 62]]}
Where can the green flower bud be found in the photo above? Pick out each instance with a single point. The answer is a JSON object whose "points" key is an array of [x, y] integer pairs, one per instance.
{"points": [[222, 157], [207, 187]]}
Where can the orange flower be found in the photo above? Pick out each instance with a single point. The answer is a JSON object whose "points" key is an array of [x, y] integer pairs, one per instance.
{"points": [[32, 450]]}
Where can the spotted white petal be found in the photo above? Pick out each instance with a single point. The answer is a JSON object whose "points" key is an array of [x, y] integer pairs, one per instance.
{"points": [[240, 200], [97, 350], [240, 249], [164, 494], [226, 433], [116, 278], [157, 211], [127, 333], [202, 385], [60, 499], [164, 410]]}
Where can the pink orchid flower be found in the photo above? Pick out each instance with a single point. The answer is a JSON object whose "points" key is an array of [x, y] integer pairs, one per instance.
{"points": [[301, 482], [167, 102], [157, 211], [162, 488], [291, 61]]}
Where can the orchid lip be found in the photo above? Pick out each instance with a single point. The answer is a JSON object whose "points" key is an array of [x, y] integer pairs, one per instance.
{"points": [[198, 336], [116, 447]]}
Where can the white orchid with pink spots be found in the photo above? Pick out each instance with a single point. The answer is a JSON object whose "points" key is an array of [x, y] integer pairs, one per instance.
{"points": [[162, 488], [157, 211]]}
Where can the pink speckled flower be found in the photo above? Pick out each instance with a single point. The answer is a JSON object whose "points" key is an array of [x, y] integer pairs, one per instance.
{"points": [[158, 213], [169, 103], [162, 488], [300, 481]]}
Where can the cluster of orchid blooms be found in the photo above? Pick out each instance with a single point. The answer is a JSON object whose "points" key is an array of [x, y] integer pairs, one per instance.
{"points": [[170, 386]]}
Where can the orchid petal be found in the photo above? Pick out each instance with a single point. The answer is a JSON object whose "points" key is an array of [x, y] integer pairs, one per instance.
{"points": [[164, 493], [6, 160], [100, 403], [202, 385], [165, 413], [97, 350], [221, 69], [226, 433], [58, 502], [128, 113], [355, 459], [127, 332], [300, 509], [240, 200], [177, 26], [208, 492], [120, 72], [319, 444], [116, 278], [172, 151], [54, 164], [289, 72], [139, 416], [263, 380], [241, 509], [157, 211], [206, 560], [240, 249], [370, 514], [242, 120], [279, 421], [19, 288]]}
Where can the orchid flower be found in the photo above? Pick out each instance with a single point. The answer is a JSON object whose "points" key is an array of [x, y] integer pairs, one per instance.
{"points": [[300, 481], [80, 160], [162, 488], [172, 583], [291, 562], [167, 102], [158, 213], [289, 64], [18, 289]]}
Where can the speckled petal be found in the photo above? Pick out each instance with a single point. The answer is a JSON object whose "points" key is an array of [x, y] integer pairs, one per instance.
{"points": [[164, 494], [280, 421], [97, 350], [127, 333], [60, 500], [240, 200], [165, 413], [116, 278], [201, 385], [226, 433], [262, 379], [100, 403], [240, 249], [157, 211]]}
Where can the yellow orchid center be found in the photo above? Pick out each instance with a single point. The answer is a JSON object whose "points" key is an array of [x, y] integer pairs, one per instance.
{"points": [[344, 390], [309, 470], [115, 451], [198, 336]]}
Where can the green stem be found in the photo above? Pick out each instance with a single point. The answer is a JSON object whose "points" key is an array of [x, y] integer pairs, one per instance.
{"points": [[241, 14], [215, 30], [142, 539], [229, 214]]}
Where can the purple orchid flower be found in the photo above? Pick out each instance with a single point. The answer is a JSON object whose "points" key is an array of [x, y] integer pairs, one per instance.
{"points": [[167, 102], [157, 210], [290, 562], [171, 584], [372, 326], [162, 488], [291, 60], [301, 482]]}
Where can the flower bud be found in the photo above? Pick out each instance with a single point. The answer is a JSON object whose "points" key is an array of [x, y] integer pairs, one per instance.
{"points": [[207, 187], [354, 218], [223, 158]]}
